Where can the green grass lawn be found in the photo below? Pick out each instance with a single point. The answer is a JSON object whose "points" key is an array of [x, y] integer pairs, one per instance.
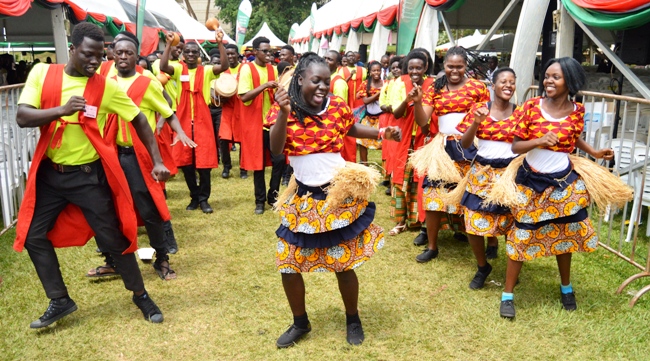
{"points": [[228, 302]]}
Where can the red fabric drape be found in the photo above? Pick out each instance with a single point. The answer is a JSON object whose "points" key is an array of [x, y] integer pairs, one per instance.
{"points": [[337, 30], [436, 2], [150, 38], [356, 23], [318, 35], [620, 6], [345, 27], [369, 20], [386, 17], [14, 7]]}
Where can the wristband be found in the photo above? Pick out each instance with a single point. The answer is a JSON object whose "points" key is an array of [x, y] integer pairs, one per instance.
{"points": [[381, 133]]}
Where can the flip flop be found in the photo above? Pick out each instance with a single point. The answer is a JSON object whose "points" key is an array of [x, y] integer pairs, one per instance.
{"points": [[98, 272], [164, 272]]}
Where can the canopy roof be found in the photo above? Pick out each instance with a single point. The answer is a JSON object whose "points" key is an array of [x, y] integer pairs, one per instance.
{"points": [[498, 42], [266, 32]]}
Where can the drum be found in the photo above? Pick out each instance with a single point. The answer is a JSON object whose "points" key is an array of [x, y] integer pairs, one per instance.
{"points": [[285, 77], [223, 87]]}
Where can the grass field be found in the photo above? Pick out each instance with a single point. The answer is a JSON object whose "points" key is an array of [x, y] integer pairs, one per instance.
{"points": [[228, 302]]}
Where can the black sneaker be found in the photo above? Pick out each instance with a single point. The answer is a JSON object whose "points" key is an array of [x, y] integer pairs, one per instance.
{"points": [[421, 239], [385, 183], [259, 208], [285, 181], [170, 239], [150, 311], [291, 336], [460, 237], [491, 252], [225, 173], [243, 174], [479, 278], [387, 192], [569, 301], [507, 309], [355, 334], [194, 205], [57, 309], [427, 255]]}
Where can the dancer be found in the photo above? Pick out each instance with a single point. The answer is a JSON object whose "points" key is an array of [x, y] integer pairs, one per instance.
{"points": [[369, 93], [354, 75], [450, 98], [230, 130], [75, 187], [491, 123], [318, 244], [552, 189], [194, 115], [386, 118]]}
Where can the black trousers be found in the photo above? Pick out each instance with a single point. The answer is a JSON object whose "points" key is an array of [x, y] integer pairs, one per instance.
{"points": [[278, 164], [198, 191], [143, 201], [216, 124], [91, 192]]}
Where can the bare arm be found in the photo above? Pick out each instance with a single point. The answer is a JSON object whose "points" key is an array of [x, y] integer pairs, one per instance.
{"points": [[364, 131], [29, 117], [164, 59], [371, 99], [141, 125], [469, 135], [520, 146], [607, 154], [278, 132], [225, 65], [167, 97], [252, 94]]}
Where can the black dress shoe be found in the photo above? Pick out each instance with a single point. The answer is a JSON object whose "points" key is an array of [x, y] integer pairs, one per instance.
{"points": [[259, 208], [355, 334], [194, 205], [427, 255], [57, 309], [479, 278], [150, 311], [291, 336], [243, 174], [569, 301], [205, 207], [226, 173], [421, 239]]}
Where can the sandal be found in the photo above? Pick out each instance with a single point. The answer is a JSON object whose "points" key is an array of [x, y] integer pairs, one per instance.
{"points": [[165, 272], [97, 272], [397, 229]]}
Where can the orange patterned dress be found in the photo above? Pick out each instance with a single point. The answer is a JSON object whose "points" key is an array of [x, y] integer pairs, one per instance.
{"points": [[494, 155], [551, 217], [313, 237], [370, 120], [451, 107]]}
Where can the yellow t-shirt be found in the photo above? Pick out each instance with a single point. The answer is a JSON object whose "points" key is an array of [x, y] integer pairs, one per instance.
{"points": [[398, 95], [340, 88], [246, 84], [152, 102], [172, 86], [208, 77], [75, 147], [113, 72]]}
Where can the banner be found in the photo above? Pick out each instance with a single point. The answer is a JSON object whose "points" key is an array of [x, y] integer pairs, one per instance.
{"points": [[243, 17], [312, 22], [409, 18], [139, 20]]}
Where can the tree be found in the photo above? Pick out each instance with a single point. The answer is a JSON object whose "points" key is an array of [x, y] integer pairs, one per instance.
{"points": [[278, 14]]}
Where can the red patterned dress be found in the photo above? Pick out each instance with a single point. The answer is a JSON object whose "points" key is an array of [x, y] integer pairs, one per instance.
{"points": [[551, 215], [451, 106], [493, 156], [371, 118], [313, 237]]}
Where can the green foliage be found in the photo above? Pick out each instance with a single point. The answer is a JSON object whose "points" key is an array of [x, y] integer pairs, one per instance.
{"points": [[279, 15]]}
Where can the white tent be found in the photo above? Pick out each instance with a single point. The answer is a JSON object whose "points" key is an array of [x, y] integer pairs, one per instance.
{"points": [[266, 32]]}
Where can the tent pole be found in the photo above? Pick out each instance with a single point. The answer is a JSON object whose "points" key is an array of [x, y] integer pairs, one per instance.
{"points": [[497, 24], [201, 47], [447, 28], [565, 32], [60, 36]]}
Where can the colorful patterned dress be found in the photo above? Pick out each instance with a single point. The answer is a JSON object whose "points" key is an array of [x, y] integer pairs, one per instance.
{"points": [[451, 107], [312, 236], [551, 217], [372, 115], [494, 155]]}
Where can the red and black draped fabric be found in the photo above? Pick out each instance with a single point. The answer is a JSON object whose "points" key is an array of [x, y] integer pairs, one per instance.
{"points": [[610, 15], [608, 6], [20, 7], [445, 5]]}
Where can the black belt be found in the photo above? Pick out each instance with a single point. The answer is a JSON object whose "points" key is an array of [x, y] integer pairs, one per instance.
{"points": [[125, 150], [62, 168]]}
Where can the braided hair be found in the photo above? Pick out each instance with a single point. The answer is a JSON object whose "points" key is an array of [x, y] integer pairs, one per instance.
{"points": [[368, 80], [298, 105]]}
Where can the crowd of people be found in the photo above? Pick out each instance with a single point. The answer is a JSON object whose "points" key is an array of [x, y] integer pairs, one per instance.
{"points": [[448, 146]]}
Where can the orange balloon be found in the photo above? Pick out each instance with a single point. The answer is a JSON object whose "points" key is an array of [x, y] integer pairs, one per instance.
{"points": [[212, 24]]}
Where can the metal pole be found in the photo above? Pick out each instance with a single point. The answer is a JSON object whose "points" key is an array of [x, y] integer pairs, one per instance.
{"points": [[500, 20]]}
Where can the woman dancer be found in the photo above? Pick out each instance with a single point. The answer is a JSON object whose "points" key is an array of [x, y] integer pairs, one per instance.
{"points": [[552, 190], [491, 123], [451, 98], [370, 92], [319, 233], [387, 118]]}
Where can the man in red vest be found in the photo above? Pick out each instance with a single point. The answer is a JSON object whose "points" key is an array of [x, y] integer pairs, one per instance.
{"points": [[230, 130], [193, 112], [75, 187], [354, 75], [257, 84]]}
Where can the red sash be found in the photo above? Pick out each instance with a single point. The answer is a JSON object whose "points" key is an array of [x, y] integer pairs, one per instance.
{"points": [[353, 86], [230, 128], [333, 82], [203, 133], [71, 228], [136, 92], [106, 67], [253, 154], [164, 140]]}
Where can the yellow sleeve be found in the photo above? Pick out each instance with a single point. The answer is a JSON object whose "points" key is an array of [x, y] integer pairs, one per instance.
{"points": [[341, 89], [245, 80], [397, 94], [153, 78], [119, 103], [383, 97], [154, 100], [365, 73], [31, 94], [156, 67], [178, 69]]}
